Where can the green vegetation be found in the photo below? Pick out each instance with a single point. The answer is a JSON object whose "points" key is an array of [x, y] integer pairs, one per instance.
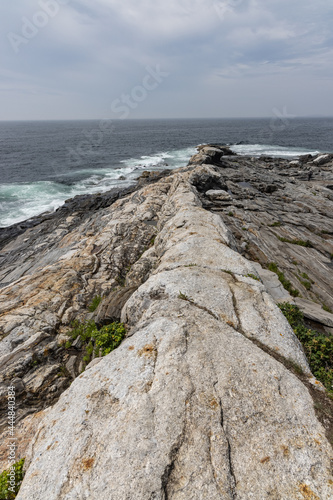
{"points": [[95, 303], [182, 296], [283, 280], [253, 276], [152, 241], [326, 308], [231, 214], [306, 284], [10, 481], [275, 224], [301, 243], [318, 347], [99, 341]]}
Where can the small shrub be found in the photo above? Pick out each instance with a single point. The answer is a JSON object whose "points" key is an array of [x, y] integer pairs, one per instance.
{"points": [[275, 224], [231, 214], [318, 347], [253, 276], [95, 303], [301, 243], [103, 340], [283, 280], [326, 308], [109, 337], [182, 296], [83, 330], [7, 491], [306, 284]]}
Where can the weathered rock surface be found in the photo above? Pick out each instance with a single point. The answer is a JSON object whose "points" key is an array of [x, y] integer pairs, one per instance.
{"points": [[199, 401], [281, 213]]}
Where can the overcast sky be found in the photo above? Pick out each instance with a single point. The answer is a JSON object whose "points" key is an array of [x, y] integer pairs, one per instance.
{"points": [[81, 59]]}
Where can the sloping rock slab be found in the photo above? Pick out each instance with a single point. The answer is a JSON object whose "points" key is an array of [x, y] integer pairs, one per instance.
{"points": [[188, 407], [314, 312]]}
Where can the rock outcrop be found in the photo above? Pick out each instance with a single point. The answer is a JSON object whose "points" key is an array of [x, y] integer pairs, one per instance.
{"points": [[201, 399]]}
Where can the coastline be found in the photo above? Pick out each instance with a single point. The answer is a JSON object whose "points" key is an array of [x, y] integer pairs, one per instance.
{"points": [[137, 249]]}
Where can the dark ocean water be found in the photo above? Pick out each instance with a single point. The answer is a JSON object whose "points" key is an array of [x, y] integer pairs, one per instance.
{"points": [[44, 163]]}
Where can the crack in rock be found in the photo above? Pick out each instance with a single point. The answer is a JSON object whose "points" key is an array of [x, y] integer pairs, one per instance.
{"points": [[233, 481]]}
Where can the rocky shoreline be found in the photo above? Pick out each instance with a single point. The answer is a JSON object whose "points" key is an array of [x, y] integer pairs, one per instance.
{"points": [[192, 261]]}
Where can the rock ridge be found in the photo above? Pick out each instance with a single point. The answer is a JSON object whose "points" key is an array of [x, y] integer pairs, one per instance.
{"points": [[192, 404]]}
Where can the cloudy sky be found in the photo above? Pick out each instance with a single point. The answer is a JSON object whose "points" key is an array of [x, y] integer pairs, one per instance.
{"points": [[81, 59]]}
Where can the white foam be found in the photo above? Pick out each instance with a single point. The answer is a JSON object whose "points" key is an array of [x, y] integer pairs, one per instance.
{"points": [[19, 202], [160, 161], [270, 150]]}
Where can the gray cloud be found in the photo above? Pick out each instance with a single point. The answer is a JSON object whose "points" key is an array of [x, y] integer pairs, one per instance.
{"points": [[73, 59]]}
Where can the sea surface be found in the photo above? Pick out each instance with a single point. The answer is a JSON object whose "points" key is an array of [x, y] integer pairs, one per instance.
{"points": [[44, 163]]}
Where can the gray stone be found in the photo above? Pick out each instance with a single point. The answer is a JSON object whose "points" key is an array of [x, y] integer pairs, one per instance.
{"points": [[77, 343], [70, 366], [273, 284], [322, 159], [35, 380], [218, 195], [314, 312]]}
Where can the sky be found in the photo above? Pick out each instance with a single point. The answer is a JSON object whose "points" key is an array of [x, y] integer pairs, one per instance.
{"points": [[128, 59]]}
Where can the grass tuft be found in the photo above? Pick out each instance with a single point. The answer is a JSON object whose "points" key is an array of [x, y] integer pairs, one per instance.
{"points": [[7, 490], [301, 243], [101, 341], [253, 276], [283, 280], [95, 303], [317, 346]]}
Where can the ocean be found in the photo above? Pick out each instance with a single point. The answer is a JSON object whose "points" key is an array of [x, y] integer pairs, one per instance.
{"points": [[42, 164]]}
